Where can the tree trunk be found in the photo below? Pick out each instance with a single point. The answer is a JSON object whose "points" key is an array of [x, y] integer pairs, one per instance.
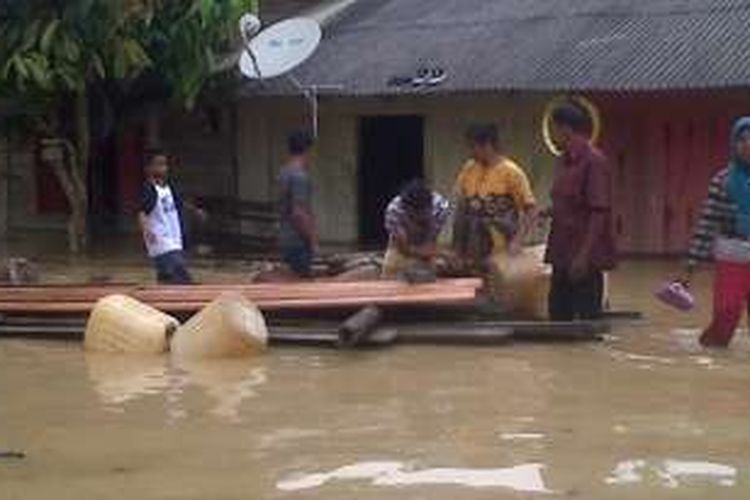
{"points": [[81, 168], [63, 172], [73, 174]]}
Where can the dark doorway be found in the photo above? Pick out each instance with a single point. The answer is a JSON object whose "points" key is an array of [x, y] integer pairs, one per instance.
{"points": [[391, 152]]}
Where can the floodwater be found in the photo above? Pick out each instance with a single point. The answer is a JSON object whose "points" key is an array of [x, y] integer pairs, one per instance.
{"points": [[643, 415]]}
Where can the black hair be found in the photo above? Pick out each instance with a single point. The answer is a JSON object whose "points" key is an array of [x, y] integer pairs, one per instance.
{"points": [[416, 195], [299, 142], [571, 114], [150, 154], [482, 134]]}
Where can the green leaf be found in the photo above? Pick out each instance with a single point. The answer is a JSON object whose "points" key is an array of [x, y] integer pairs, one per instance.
{"points": [[7, 68], [71, 80], [48, 35], [136, 56], [119, 64], [98, 66], [71, 49], [19, 64], [37, 67], [31, 35], [206, 9]]}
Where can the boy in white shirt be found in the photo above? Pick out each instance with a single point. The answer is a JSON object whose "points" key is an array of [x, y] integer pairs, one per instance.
{"points": [[160, 219]]}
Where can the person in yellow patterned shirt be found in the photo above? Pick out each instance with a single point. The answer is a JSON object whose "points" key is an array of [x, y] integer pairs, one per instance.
{"points": [[494, 202]]}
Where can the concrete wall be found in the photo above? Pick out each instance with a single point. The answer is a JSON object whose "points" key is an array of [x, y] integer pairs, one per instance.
{"points": [[263, 123], [202, 144]]}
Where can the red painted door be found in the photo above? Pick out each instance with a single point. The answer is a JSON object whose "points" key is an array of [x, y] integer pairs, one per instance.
{"points": [[50, 196], [130, 169]]}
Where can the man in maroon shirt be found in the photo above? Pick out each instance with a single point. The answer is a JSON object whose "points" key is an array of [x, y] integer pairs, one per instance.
{"points": [[581, 245]]}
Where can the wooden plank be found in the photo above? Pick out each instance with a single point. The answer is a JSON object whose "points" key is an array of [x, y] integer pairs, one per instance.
{"points": [[192, 305], [277, 296], [59, 294], [88, 293], [318, 286]]}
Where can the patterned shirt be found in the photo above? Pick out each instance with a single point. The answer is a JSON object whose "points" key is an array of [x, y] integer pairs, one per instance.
{"points": [[490, 201], [582, 189], [717, 219], [396, 218]]}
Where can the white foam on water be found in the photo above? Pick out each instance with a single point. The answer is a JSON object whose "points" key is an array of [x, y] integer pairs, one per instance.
{"points": [[521, 436], [674, 470], [525, 478], [649, 359], [619, 355], [364, 470], [672, 473], [627, 472]]}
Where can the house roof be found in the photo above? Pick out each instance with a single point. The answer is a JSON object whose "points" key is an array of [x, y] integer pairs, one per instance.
{"points": [[485, 45]]}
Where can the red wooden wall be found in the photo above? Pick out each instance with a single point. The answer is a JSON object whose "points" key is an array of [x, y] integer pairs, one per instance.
{"points": [[130, 151], [664, 148], [50, 196]]}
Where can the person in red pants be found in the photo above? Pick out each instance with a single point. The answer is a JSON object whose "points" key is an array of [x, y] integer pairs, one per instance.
{"points": [[722, 234]]}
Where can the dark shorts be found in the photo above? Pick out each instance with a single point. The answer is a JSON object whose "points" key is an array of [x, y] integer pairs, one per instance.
{"points": [[299, 258], [171, 269]]}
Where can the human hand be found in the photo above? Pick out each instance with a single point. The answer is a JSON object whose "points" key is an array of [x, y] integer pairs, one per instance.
{"points": [[544, 213], [149, 237], [514, 248], [686, 277]]}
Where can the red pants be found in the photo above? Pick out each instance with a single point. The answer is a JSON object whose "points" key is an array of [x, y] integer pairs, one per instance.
{"points": [[731, 295]]}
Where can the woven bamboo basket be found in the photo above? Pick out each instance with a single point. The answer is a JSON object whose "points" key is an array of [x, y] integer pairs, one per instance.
{"points": [[227, 327], [122, 324]]}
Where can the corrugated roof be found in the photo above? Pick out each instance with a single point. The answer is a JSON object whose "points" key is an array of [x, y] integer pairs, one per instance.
{"points": [[535, 45]]}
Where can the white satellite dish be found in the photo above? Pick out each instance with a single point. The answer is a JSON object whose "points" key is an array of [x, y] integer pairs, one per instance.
{"points": [[280, 48]]}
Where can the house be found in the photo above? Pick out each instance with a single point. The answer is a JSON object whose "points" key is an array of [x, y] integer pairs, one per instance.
{"points": [[668, 77]]}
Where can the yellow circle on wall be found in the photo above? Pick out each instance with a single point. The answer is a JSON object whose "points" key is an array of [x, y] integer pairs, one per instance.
{"points": [[591, 109]]}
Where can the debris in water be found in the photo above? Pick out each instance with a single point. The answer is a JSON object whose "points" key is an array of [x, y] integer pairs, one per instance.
{"points": [[12, 455]]}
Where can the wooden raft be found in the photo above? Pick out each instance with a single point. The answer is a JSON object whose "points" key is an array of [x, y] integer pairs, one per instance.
{"points": [[80, 299]]}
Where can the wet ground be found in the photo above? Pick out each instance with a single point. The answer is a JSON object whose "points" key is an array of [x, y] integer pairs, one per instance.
{"points": [[643, 415]]}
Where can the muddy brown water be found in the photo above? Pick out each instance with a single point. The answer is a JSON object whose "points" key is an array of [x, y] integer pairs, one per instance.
{"points": [[643, 415]]}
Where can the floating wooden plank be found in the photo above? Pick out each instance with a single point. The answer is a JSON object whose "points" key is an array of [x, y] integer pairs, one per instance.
{"points": [[558, 331], [456, 334]]}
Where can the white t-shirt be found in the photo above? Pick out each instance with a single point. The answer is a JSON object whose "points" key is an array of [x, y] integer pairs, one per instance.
{"points": [[164, 223]]}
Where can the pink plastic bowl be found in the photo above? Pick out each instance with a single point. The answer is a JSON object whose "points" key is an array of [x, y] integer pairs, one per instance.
{"points": [[675, 294]]}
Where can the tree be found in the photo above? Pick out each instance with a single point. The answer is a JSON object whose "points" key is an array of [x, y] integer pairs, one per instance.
{"points": [[56, 54]]}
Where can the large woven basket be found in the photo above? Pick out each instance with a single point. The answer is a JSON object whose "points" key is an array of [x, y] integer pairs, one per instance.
{"points": [[122, 324], [229, 326]]}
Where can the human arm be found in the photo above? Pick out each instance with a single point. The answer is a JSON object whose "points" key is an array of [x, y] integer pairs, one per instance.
{"points": [[148, 201], [441, 212], [148, 235], [597, 225], [597, 191], [196, 210], [524, 199], [299, 192], [304, 222], [716, 212], [398, 225]]}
